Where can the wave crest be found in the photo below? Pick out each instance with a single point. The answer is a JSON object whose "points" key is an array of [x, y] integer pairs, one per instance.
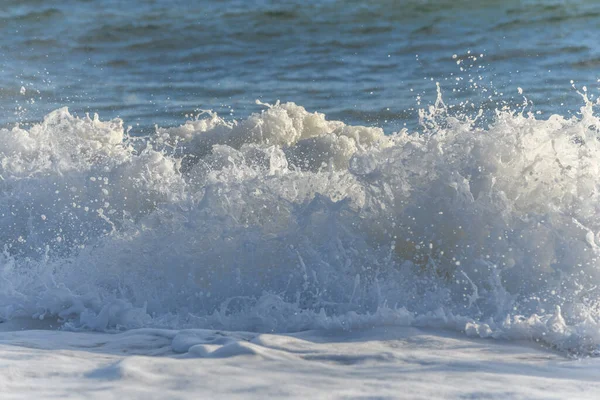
{"points": [[287, 221]]}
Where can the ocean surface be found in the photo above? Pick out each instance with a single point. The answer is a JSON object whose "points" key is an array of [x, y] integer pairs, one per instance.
{"points": [[363, 62], [281, 166]]}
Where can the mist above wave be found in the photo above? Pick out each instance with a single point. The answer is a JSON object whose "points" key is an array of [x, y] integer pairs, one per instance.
{"points": [[286, 221]]}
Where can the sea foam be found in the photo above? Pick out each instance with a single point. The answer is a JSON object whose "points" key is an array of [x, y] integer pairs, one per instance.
{"points": [[287, 221]]}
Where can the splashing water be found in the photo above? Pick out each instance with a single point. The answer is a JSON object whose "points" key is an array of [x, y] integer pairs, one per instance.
{"points": [[287, 221]]}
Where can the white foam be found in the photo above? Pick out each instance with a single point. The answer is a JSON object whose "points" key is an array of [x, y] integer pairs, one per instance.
{"points": [[287, 221], [391, 362]]}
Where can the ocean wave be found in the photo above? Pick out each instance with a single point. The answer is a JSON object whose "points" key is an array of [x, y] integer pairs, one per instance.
{"points": [[286, 221]]}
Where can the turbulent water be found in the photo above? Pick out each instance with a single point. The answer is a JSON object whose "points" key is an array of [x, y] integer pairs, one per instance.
{"points": [[286, 221], [481, 216]]}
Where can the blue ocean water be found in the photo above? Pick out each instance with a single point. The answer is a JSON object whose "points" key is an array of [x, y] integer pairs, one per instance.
{"points": [[363, 62]]}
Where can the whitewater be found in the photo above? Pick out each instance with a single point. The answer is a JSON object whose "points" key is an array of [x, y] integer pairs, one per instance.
{"points": [[224, 257]]}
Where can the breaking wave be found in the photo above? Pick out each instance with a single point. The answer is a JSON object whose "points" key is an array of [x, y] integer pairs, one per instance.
{"points": [[287, 221]]}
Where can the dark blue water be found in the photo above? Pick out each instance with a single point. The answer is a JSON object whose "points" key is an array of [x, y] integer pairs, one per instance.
{"points": [[365, 62]]}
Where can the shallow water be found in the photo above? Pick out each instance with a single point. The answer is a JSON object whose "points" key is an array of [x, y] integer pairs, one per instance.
{"points": [[392, 362]]}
